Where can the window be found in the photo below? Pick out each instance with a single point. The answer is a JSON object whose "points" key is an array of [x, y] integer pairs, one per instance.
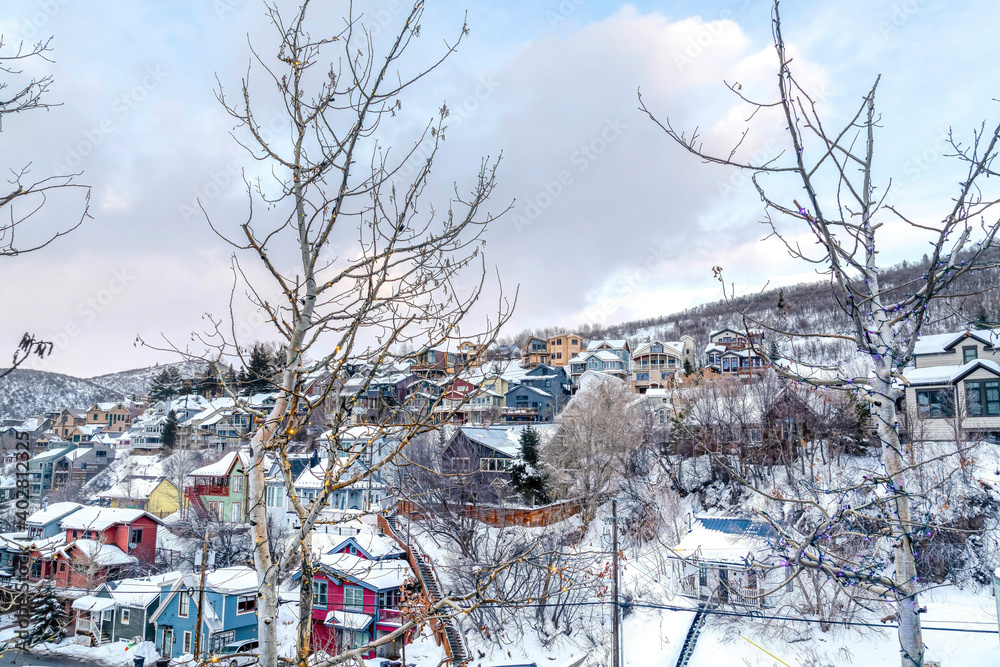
{"points": [[125, 617], [238, 484], [982, 398], [320, 590], [135, 536], [183, 604], [642, 377], [187, 642], [935, 403], [275, 496], [237, 515], [354, 598], [969, 353], [246, 604], [388, 599]]}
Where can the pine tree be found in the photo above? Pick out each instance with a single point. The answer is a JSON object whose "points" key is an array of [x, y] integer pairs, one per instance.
{"points": [[526, 476], [169, 433], [260, 369], [165, 385], [48, 617]]}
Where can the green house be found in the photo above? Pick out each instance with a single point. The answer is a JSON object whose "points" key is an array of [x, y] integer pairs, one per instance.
{"points": [[220, 489]]}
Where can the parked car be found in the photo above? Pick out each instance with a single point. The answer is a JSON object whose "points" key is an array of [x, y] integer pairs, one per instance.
{"points": [[238, 654]]}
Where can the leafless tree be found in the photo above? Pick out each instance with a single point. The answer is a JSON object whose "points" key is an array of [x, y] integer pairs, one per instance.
{"points": [[24, 196], [355, 264], [843, 210], [599, 430]]}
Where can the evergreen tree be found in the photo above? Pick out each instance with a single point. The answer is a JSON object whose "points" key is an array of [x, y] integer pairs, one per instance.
{"points": [[48, 617], [526, 476], [688, 368], [169, 433], [782, 306], [260, 369], [165, 386]]}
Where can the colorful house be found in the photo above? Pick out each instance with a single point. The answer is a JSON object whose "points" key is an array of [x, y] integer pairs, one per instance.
{"points": [[220, 489], [229, 613], [356, 600], [156, 495], [120, 610]]}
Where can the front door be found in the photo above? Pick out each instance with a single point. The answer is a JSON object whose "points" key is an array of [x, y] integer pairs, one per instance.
{"points": [[167, 650]]}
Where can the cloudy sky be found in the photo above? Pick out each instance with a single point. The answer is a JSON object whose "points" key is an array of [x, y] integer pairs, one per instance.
{"points": [[632, 230]]}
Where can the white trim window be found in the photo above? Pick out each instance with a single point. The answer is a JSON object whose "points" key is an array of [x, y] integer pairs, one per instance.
{"points": [[187, 642], [126, 615], [183, 604]]}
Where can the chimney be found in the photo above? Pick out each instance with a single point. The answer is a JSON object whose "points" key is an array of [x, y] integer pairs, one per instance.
{"points": [[45, 504]]}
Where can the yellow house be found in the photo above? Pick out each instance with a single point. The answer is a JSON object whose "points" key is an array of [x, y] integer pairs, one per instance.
{"points": [[156, 496]]}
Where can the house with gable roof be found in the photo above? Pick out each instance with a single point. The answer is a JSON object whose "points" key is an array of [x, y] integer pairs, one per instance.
{"points": [[657, 363], [120, 610], [535, 352], [356, 600], [220, 488], [111, 417], [953, 391], [719, 561], [229, 613]]}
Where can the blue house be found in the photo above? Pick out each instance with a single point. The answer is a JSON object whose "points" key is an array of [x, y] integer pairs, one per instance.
{"points": [[230, 612], [526, 403]]}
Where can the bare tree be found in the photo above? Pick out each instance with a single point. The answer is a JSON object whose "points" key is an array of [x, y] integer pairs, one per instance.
{"points": [[843, 210], [600, 429], [24, 197], [356, 264]]}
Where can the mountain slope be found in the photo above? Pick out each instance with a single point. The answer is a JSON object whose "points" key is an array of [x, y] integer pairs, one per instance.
{"points": [[28, 392], [139, 380]]}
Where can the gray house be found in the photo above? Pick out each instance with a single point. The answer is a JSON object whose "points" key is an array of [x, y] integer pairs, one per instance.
{"points": [[120, 610], [526, 403]]}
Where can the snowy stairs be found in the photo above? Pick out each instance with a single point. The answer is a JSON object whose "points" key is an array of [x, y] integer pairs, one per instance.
{"points": [[687, 650], [456, 642]]}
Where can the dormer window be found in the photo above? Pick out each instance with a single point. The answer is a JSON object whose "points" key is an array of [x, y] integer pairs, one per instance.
{"points": [[969, 353]]}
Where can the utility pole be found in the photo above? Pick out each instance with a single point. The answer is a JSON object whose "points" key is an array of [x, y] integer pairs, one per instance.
{"points": [[616, 659], [201, 599]]}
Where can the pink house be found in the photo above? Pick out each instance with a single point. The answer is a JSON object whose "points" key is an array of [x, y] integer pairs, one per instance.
{"points": [[356, 600]]}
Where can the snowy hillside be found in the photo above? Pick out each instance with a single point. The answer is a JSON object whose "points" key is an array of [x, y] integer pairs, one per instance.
{"points": [[139, 380], [805, 307], [27, 392]]}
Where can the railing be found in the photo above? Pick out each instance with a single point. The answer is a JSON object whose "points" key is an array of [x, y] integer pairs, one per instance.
{"points": [[393, 616], [519, 412], [84, 625], [208, 490]]}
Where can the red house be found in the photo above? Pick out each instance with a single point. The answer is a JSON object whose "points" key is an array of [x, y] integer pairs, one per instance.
{"points": [[356, 600], [99, 543]]}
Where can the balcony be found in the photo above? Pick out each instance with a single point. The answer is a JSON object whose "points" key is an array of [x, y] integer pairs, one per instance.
{"points": [[519, 412], [208, 490], [390, 617]]}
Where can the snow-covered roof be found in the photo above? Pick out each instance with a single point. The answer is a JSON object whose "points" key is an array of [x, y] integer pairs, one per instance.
{"points": [[103, 554], [221, 467], [232, 579], [618, 344], [101, 518], [940, 343], [377, 574], [52, 512], [676, 347], [348, 620], [50, 454], [505, 439], [91, 603], [375, 545], [133, 489], [536, 390], [138, 592], [948, 374], [725, 539]]}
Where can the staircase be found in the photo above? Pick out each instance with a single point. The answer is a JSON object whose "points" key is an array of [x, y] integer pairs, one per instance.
{"points": [[454, 641], [191, 495], [687, 649]]}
